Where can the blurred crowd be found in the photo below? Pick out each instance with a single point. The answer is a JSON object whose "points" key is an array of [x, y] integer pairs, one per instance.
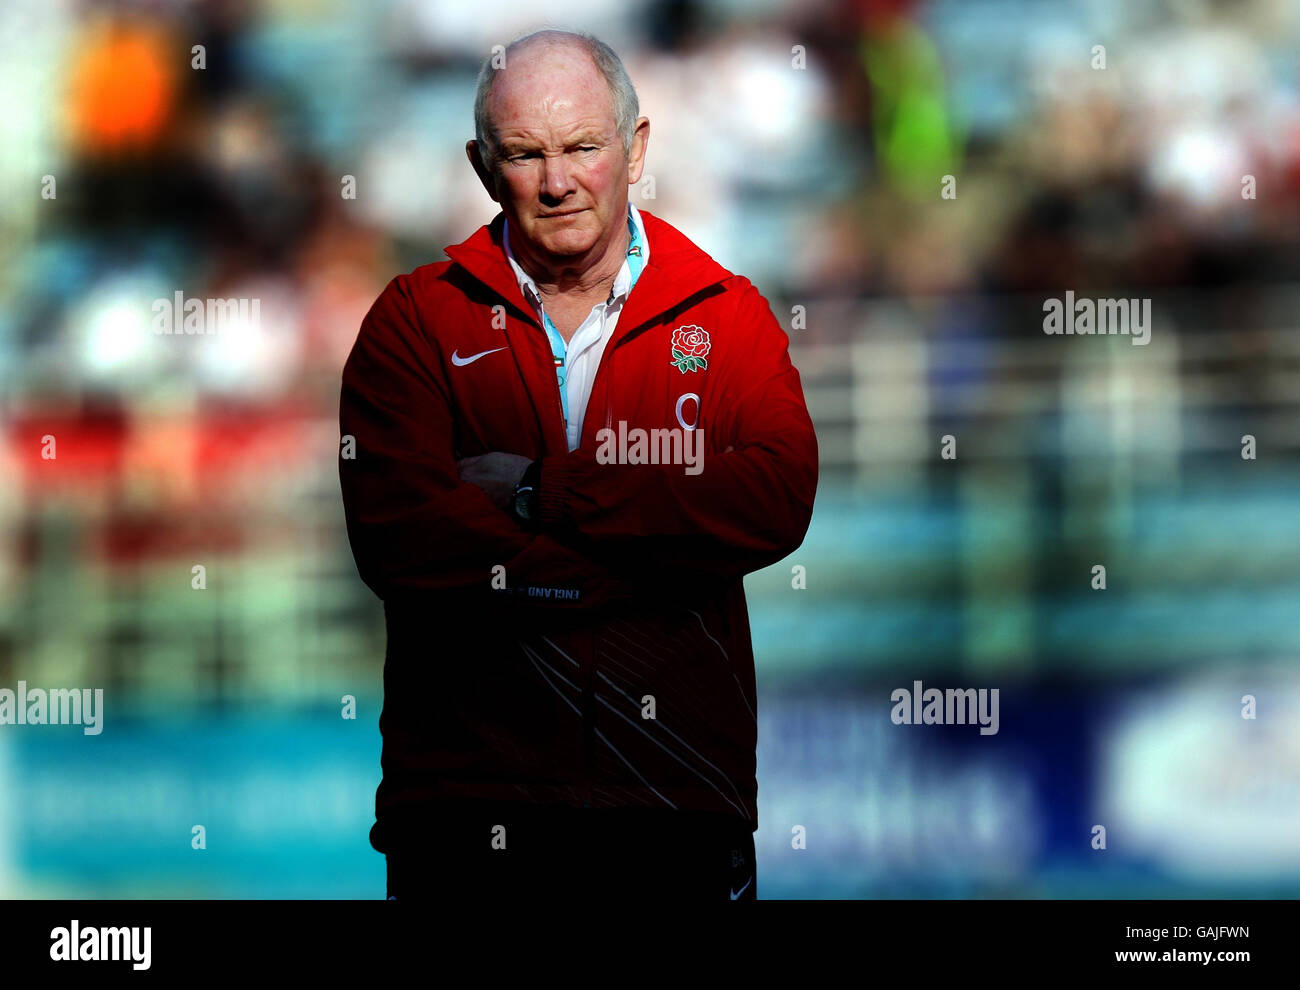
{"points": [[303, 153]]}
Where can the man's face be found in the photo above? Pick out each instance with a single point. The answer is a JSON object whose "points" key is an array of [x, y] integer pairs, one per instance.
{"points": [[561, 174]]}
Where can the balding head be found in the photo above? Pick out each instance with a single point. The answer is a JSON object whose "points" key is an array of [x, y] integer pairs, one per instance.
{"points": [[575, 49], [559, 143]]}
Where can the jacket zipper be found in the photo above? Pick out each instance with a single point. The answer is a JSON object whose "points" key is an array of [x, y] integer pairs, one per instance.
{"points": [[611, 353], [559, 403]]}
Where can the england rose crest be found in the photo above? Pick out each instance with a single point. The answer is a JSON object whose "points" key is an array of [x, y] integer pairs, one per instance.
{"points": [[690, 348]]}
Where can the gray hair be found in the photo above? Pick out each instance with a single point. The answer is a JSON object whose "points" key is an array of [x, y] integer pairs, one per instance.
{"points": [[626, 107]]}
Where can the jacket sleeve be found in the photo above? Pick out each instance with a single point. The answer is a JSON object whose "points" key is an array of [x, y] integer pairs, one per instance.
{"points": [[749, 506], [412, 524]]}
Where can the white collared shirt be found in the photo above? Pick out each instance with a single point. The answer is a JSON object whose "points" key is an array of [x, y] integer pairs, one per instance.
{"points": [[581, 356]]}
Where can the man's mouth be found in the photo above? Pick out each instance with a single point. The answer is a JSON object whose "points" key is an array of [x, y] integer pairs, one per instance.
{"points": [[566, 213]]}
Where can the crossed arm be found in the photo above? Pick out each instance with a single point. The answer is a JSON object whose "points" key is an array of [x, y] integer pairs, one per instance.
{"points": [[420, 519]]}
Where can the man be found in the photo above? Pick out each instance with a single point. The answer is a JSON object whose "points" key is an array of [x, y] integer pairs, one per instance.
{"points": [[569, 697]]}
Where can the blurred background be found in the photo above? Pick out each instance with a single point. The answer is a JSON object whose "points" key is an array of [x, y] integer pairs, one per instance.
{"points": [[309, 150]]}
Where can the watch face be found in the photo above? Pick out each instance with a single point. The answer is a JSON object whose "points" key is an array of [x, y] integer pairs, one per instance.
{"points": [[523, 505]]}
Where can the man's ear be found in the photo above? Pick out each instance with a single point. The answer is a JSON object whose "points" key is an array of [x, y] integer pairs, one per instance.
{"points": [[484, 176], [636, 154]]}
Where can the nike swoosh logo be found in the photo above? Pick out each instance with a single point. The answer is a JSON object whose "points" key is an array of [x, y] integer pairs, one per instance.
{"points": [[736, 893], [460, 362]]}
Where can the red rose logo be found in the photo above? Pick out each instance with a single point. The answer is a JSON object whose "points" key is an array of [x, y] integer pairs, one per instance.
{"points": [[690, 348]]}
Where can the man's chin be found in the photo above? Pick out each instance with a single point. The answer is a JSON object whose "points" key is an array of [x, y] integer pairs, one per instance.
{"points": [[568, 244]]}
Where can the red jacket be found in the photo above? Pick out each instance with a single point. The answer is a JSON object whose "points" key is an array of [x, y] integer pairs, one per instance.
{"points": [[539, 692]]}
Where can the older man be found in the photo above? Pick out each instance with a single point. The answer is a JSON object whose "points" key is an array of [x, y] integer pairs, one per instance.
{"points": [[571, 441]]}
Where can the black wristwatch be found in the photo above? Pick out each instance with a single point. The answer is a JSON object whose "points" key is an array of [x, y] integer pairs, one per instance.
{"points": [[523, 503]]}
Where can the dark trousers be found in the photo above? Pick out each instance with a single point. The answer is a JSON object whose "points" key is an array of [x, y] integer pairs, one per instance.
{"points": [[487, 853]]}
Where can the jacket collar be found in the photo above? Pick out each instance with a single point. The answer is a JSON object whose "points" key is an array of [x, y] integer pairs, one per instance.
{"points": [[628, 272], [675, 271]]}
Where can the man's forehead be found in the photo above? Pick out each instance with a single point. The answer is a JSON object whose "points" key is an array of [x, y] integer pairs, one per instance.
{"points": [[560, 100], [564, 128]]}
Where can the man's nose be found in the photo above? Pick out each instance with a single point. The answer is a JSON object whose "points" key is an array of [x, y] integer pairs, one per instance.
{"points": [[556, 178]]}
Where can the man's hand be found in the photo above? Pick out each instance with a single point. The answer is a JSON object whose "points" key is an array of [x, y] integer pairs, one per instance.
{"points": [[496, 473]]}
